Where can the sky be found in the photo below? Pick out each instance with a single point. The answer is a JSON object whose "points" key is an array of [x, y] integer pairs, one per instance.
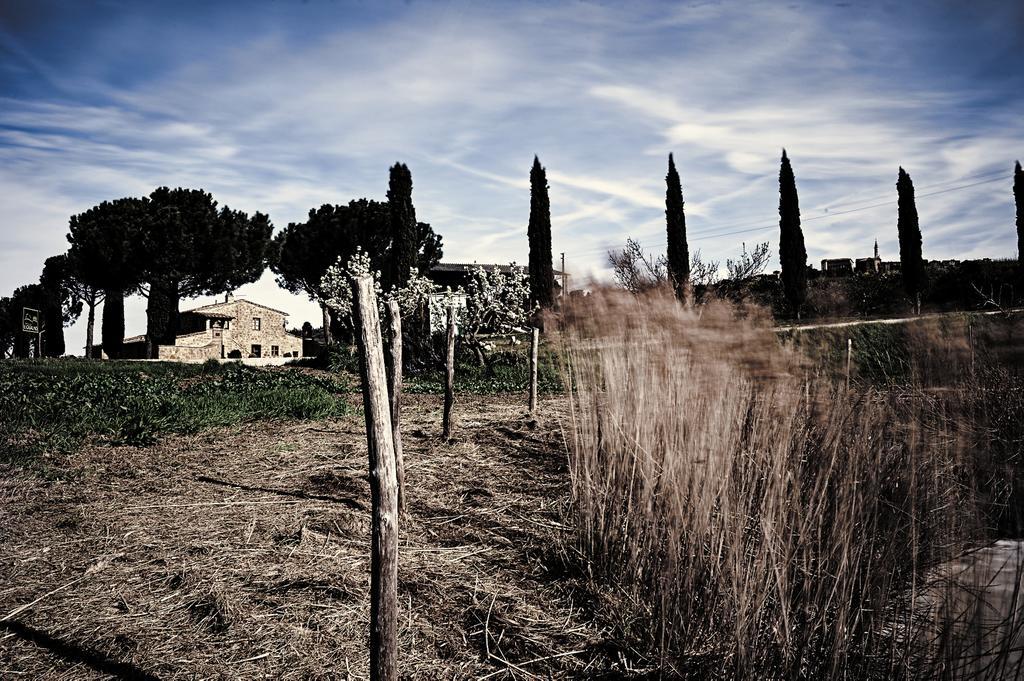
{"points": [[281, 106]]}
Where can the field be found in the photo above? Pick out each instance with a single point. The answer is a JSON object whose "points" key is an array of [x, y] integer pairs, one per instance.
{"points": [[705, 502], [243, 553]]}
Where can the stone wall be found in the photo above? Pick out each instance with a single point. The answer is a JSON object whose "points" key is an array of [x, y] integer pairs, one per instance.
{"points": [[189, 353]]}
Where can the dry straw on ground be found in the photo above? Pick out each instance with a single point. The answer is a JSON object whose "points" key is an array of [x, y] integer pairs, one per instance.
{"points": [[243, 553]]}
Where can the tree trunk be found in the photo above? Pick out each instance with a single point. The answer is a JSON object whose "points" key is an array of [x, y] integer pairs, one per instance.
{"points": [[90, 324], [534, 342], [481, 356], [326, 311], [53, 329], [22, 343], [449, 383], [112, 325], [383, 487], [394, 368], [417, 346], [161, 315]]}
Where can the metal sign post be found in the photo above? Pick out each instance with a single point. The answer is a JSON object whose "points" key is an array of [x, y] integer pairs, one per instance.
{"points": [[30, 324]]}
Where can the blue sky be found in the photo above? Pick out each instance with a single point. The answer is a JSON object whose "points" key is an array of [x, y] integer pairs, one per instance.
{"points": [[285, 105]]}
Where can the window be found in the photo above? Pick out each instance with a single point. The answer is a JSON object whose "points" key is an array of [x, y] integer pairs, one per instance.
{"points": [[255, 323], [274, 350], [257, 351]]}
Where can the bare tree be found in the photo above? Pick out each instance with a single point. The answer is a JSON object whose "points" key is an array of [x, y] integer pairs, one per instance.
{"points": [[749, 264], [991, 299], [635, 270], [702, 273], [741, 271]]}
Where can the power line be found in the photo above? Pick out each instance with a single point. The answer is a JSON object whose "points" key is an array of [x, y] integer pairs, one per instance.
{"points": [[745, 222], [760, 226], [990, 173], [890, 202]]}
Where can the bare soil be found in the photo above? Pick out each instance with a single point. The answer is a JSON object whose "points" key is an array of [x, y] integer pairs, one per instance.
{"points": [[243, 553]]}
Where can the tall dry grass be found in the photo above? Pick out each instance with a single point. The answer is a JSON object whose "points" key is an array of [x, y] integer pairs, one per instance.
{"points": [[749, 521]]}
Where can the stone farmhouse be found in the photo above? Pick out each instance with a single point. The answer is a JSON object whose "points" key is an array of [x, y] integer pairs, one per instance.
{"points": [[234, 329]]}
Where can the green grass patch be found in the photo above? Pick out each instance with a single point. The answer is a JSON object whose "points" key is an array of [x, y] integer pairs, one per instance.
{"points": [[56, 405], [931, 352], [509, 372]]}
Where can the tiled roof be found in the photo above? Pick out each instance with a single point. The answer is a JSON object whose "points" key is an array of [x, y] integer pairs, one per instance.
{"points": [[211, 314], [213, 307]]}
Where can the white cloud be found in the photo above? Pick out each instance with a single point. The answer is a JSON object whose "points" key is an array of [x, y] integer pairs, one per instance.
{"points": [[466, 94]]}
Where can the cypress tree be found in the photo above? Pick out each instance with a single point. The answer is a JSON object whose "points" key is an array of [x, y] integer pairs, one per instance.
{"points": [[911, 264], [402, 218], [1018, 197], [792, 253], [542, 276], [675, 223]]}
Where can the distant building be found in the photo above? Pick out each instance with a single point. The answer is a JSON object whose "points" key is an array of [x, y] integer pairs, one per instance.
{"points": [[845, 267], [454, 275], [235, 328], [437, 310], [837, 267], [872, 265]]}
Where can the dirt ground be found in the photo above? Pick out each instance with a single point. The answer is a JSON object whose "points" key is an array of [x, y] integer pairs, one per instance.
{"points": [[243, 553]]}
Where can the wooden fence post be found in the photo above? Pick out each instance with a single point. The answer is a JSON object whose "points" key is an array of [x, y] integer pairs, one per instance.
{"points": [[534, 342], [849, 357], [383, 486], [970, 341], [449, 382], [394, 366]]}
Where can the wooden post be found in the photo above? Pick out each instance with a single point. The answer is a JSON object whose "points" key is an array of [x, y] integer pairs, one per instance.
{"points": [[562, 295], [449, 382], [383, 486], [534, 342], [970, 341], [394, 366], [849, 357], [807, 395]]}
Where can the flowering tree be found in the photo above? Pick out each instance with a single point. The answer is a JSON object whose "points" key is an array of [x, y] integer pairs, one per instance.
{"points": [[496, 302], [337, 288]]}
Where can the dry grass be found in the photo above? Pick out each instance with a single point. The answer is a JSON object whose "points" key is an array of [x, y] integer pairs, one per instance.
{"points": [[243, 553], [749, 521]]}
